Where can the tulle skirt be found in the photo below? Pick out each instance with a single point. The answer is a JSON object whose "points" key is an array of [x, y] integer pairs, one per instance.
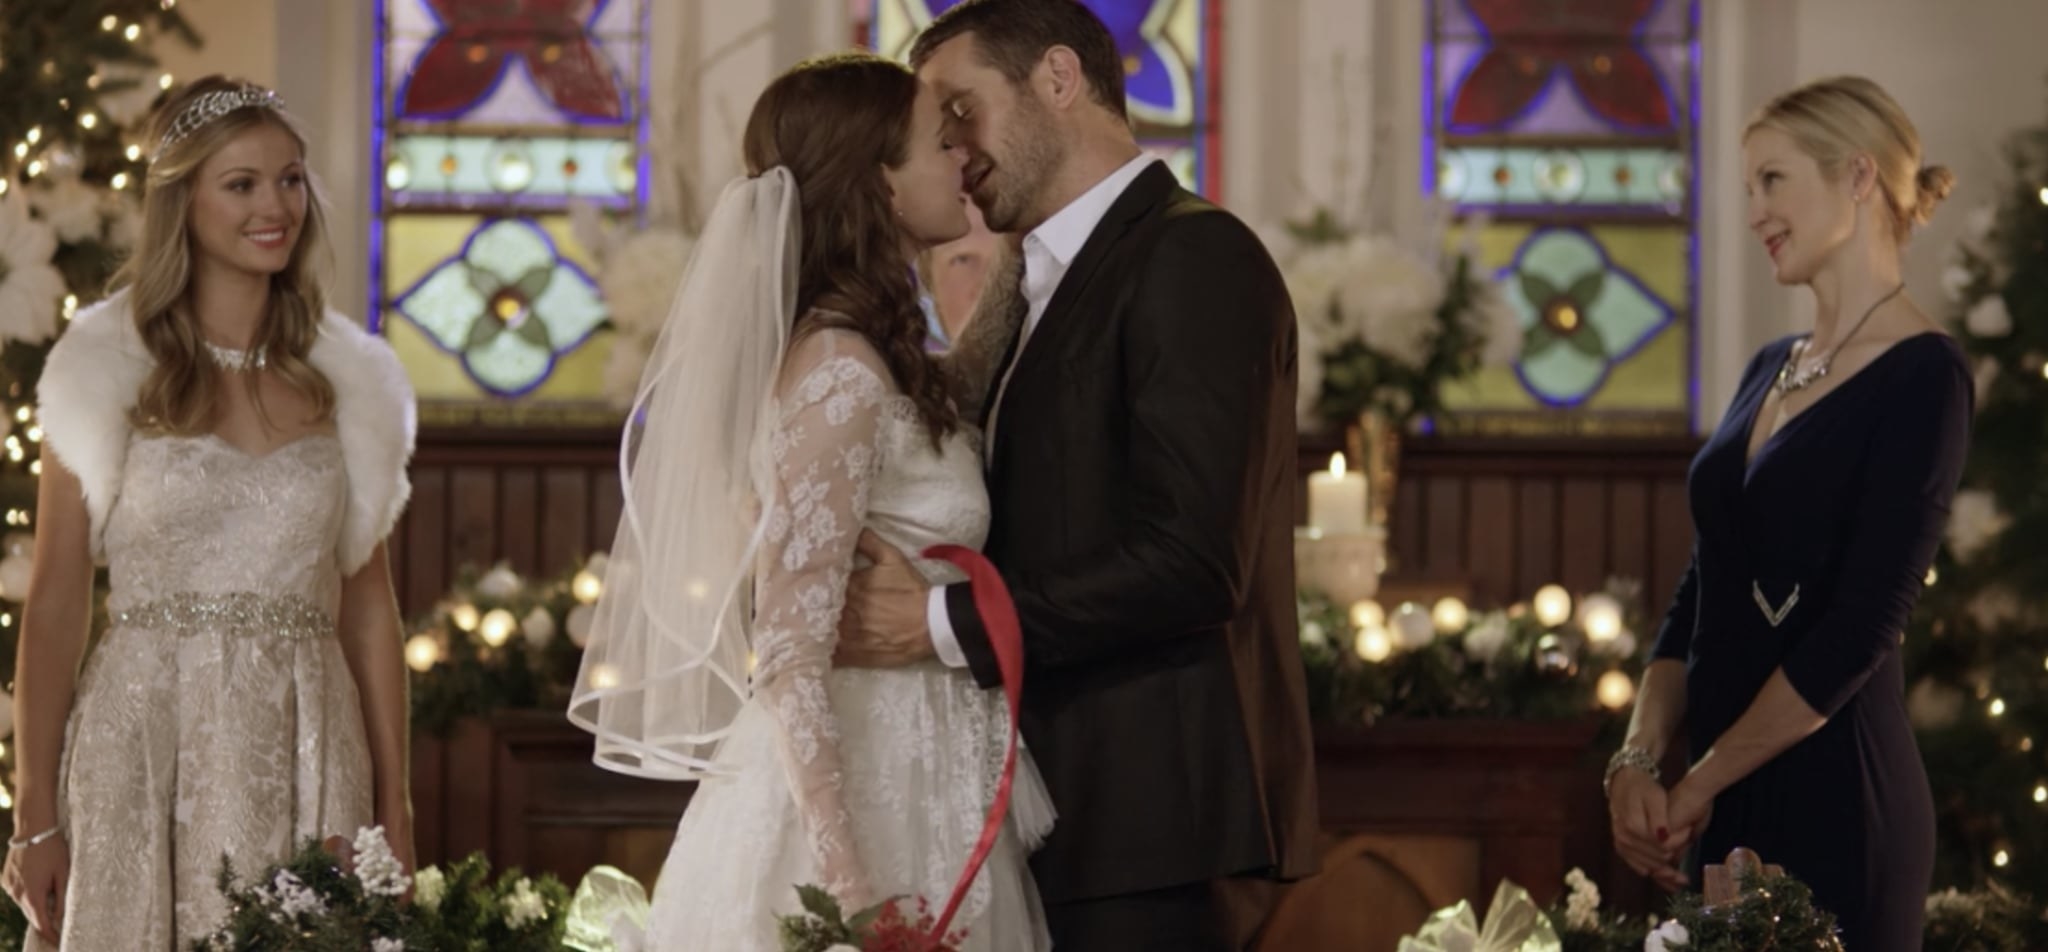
{"points": [[923, 749]]}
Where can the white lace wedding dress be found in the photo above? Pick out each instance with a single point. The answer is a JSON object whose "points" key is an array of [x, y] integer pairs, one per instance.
{"points": [[872, 783]]}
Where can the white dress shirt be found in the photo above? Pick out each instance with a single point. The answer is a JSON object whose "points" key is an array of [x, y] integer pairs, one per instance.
{"points": [[1048, 251]]}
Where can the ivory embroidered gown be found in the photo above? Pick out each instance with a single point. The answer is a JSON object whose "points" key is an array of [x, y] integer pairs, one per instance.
{"points": [[877, 781], [217, 714]]}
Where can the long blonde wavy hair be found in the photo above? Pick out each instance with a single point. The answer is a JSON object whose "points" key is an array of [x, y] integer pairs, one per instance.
{"points": [[181, 393]]}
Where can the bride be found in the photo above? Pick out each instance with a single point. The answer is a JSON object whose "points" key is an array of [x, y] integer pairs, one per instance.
{"points": [[788, 408]]}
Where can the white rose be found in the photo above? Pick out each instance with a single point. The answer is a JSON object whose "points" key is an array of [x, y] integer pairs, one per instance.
{"points": [[1312, 633], [640, 277], [1932, 705], [1974, 520], [428, 886], [1413, 623], [1986, 374], [1989, 318], [500, 583], [1670, 935], [1977, 225], [1994, 606], [1955, 281], [538, 627], [1484, 641]]}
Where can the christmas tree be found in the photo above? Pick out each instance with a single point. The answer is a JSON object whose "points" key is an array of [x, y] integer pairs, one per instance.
{"points": [[79, 79], [1978, 651]]}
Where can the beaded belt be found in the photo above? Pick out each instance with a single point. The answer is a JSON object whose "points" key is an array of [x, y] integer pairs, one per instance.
{"points": [[241, 613]]}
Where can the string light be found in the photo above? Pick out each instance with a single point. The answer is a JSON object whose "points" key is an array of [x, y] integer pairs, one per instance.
{"points": [[35, 468], [165, 81], [88, 121], [134, 153], [6, 799], [1933, 575], [1998, 707], [2044, 196], [110, 23], [21, 150], [119, 181], [133, 33], [421, 652], [35, 168], [2041, 793], [2001, 859], [35, 134]]}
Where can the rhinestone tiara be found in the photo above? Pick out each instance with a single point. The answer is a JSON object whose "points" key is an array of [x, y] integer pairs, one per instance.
{"points": [[212, 106]]}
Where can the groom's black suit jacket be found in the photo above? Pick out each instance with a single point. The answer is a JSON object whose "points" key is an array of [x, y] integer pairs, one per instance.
{"points": [[1142, 480]]}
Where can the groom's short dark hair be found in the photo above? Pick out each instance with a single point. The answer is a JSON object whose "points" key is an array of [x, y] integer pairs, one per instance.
{"points": [[1013, 36]]}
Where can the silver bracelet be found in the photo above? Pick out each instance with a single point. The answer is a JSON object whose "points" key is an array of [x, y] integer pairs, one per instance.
{"points": [[1628, 756], [36, 840]]}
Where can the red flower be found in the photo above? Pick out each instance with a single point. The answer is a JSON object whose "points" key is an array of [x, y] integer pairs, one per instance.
{"points": [[891, 932], [1530, 40], [480, 39]]}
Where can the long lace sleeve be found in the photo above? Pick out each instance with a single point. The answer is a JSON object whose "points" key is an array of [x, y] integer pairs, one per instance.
{"points": [[827, 452], [975, 362]]}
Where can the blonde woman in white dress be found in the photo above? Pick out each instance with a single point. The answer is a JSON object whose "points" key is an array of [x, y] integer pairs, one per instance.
{"points": [[235, 454], [788, 411]]}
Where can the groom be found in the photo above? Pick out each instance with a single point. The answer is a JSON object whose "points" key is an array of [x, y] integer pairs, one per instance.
{"points": [[1141, 469]]}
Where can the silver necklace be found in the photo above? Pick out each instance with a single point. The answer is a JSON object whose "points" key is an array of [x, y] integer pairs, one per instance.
{"points": [[1792, 380], [232, 359]]}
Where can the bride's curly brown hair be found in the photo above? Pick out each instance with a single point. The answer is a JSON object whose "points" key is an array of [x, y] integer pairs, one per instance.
{"points": [[835, 122]]}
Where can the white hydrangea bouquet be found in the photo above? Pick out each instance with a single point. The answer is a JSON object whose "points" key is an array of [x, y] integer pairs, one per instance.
{"points": [[342, 895], [1385, 324]]}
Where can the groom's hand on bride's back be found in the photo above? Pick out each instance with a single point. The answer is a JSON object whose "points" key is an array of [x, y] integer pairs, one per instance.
{"points": [[884, 624]]}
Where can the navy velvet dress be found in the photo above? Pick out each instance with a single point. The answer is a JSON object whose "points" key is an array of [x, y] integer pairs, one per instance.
{"points": [[1809, 558]]}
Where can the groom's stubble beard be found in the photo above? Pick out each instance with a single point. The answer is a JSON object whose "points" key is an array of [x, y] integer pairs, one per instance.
{"points": [[1032, 154]]}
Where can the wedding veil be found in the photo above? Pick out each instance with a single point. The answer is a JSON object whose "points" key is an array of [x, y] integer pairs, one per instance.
{"points": [[665, 670]]}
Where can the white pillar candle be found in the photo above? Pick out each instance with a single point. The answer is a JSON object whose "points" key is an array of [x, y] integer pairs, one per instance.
{"points": [[1336, 499]]}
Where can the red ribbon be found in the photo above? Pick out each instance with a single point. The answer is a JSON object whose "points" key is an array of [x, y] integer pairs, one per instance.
{"points": [[1006, 639]]}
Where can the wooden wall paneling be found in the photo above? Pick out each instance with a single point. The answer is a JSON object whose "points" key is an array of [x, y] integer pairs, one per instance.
{"points": [[518, 522], [607, 502], [1405, 543], [1582, 528], [1671, 544], [426, 542], [473, 522], [564, 517], [1536, 542], [472, 785], [1490, 539], [1443, 527], [1628, 535]]}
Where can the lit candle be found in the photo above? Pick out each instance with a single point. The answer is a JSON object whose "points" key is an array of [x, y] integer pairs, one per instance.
{"points": [[1336, 499]]}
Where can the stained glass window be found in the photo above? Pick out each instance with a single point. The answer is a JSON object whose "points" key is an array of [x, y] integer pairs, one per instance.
{"points": [[1170, 51], [493, 118], [1572, 127]]}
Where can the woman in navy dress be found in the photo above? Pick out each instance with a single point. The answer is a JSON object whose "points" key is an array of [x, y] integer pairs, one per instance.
{"points": [[1817, 507]]}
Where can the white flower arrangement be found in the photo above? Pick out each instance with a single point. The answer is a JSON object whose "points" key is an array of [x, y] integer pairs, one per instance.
{"points": [[524, 906], [1383, 325], [1668, 936], [428, 887], [376, 867], [31, 287], [1582, 906], [290, 899]]}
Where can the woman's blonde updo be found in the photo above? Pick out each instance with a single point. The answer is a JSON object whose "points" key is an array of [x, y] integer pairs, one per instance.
{"points": [[1836, 119]]}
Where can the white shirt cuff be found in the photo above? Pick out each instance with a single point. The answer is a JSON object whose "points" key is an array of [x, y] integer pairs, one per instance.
{"points": [[944, 643]]}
